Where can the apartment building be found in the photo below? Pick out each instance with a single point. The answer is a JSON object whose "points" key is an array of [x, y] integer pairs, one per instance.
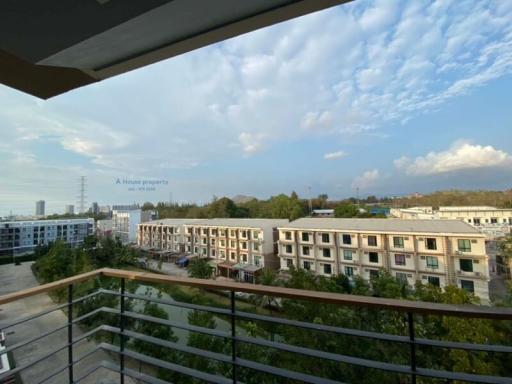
{"points": [[20, 237], [165, 234], [491, 221], [238, 247], [440, 252]]}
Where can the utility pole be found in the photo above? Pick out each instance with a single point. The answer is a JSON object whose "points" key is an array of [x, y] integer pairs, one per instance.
{"points": [[310, 201]]}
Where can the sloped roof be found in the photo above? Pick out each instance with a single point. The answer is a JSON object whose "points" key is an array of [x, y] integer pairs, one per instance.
{"points": [[385, 225]]}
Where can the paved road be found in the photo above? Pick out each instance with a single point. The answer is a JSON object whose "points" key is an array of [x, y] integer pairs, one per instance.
{"points": [[14, 278]]}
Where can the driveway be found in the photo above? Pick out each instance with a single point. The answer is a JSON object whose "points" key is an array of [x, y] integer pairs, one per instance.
{"points": [[14, 278]]}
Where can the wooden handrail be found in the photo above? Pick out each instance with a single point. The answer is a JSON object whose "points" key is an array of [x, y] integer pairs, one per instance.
{"points": [[298, 294], [10, 297]]}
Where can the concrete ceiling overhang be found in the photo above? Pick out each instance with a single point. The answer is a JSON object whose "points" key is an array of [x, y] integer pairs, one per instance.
{"points": [[50, 47]]}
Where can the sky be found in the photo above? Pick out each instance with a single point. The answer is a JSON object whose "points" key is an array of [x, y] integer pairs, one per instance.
{"points": [[376, 97]]}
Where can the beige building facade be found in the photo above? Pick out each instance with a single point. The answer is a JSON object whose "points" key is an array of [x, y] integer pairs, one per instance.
{"points": [[164, 235], [235, 246], [440, 252]]}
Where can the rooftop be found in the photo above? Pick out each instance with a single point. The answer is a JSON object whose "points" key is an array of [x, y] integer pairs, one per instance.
{"points": [[245, 223], [385, 225], [472, 208]]}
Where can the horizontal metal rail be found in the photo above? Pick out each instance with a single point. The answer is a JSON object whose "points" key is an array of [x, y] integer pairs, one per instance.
{"points": [[410, 308]]}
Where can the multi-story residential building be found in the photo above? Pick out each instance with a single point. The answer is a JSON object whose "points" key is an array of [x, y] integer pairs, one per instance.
{"points": [[238, 247], [440, 252], [104, 228], [69, 209], [124, 223], [165, 234], [40, 208], [20, 237], [491, 221]]}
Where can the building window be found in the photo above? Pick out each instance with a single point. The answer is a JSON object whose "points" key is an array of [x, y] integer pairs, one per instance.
{"points": [[257, 261], [399, 259], [305, 236], [372, 241], [288, 235], [401, 277], [288, 248], [374, 273], [307, 265], [347, 254], [466, 265], [349, 271], [256, 247], [244, 258], [213, 252], [434, 280], [347, 239], [326, 252], [256, 235], [476, 221], [431, 243], [398, 242], [305, 251], [289, 263], [325, 238], [327, 269], [373, 257], [432, 262], [464, 245], [468, 285], [233, 233], [494, 220]]}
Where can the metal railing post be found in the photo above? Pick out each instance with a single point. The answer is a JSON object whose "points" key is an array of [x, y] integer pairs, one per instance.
{"points": [[121, 328], [233, 335], [410, 322], [70, 333]]}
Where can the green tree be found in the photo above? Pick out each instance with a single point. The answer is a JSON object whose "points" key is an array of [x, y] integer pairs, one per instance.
{"points": [[200, 269], [223, 207], [148, 206], [346, 210]]}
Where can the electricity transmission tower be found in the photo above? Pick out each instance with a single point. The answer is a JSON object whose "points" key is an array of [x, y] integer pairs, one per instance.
{"points": [[82, 187]]}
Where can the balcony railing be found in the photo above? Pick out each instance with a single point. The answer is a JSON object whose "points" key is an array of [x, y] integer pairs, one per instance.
{"points": [[409, 311]]}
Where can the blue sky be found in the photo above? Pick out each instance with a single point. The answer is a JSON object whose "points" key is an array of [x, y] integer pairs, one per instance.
{"points": [[390, 97]]}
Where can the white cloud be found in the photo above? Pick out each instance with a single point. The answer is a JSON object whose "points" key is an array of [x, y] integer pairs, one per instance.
{"points": [[366, 180], [252, 143], [334, 155], [460, 156]]}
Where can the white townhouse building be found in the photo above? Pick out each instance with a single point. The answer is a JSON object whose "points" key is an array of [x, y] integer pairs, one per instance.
{"points": [[238, 247], [440, 252], [21, 237], [492, 222]]}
